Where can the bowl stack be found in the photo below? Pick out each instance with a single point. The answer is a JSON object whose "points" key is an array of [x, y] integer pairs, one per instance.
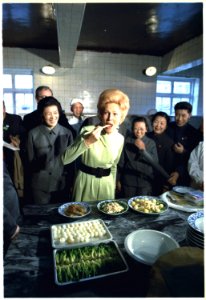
{"points": [[195, 229]]}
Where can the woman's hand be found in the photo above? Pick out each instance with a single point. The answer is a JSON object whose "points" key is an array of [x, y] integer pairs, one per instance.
{"points": [[91, 137], [139, 144]]}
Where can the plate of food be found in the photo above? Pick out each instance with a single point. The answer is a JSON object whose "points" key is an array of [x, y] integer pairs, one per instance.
{"points": [[79, 233], [113, 207], [179, 202], [74, 210], [148, 205], [88, 262]]}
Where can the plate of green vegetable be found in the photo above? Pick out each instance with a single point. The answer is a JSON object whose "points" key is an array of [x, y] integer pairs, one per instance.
{"points": [[87, 262]]}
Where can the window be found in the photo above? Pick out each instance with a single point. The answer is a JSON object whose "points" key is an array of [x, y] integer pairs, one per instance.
{"points": [[171, 90], [18, 91]]}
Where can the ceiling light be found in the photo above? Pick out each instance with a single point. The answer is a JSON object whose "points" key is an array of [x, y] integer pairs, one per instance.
{"points": [[150, 71], [48, 70]]}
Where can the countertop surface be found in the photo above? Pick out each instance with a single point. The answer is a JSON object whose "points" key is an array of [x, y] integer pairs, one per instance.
{"points": [[28, 263]]}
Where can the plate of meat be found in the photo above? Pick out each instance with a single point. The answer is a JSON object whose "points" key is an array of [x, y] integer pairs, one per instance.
{"points": [[74, 210]]}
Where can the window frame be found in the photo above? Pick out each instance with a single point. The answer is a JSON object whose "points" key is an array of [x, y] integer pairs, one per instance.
{"points": [[191, 96], [14, 90]]}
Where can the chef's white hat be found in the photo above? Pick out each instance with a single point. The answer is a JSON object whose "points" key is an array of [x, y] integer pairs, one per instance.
{"points": [[76, 100]]}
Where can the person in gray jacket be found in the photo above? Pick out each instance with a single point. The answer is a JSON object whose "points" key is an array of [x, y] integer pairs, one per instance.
{"points": [[45, 145], [135, 173]]}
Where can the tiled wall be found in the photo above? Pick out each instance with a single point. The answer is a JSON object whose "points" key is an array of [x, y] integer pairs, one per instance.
{"points": [[189, 53], [91, 73]]}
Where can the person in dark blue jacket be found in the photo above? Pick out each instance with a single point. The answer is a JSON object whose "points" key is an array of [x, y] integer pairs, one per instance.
{"points": [[166, 155], [185, 138]]}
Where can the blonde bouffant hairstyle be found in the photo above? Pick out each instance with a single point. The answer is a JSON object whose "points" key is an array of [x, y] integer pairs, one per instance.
{"points": [[114, 96]]}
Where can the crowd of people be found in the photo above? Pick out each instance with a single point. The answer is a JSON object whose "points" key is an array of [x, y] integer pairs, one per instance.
{"points": [[64, 159]]}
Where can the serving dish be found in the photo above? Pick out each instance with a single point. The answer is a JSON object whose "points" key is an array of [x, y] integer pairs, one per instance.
{"points": [[78, 233], [148, 205], [147, 245], [177, 201], [87, 262], [82, 210], [113, 207]]}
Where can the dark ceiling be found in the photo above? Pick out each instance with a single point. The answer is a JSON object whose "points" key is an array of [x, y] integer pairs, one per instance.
{"points": [[138, 28]]}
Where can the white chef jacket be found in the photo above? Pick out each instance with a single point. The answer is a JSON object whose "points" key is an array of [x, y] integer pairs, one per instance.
{"points": [[195, 165]]}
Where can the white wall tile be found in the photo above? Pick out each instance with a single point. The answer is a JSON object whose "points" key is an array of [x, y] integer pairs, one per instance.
{"points": [[92, 72]]}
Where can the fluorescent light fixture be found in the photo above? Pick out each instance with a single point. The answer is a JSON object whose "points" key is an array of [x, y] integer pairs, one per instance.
{"points": [[48, 70], [150, 71]]}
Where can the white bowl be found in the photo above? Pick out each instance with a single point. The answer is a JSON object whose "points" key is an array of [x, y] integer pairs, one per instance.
{"points": [[147, 245]]}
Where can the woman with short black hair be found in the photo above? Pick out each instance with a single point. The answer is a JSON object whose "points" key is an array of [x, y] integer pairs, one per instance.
{"points": [[45, 145]]}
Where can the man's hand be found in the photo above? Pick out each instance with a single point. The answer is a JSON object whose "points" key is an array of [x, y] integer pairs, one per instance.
{"points": [[15, 141], [179, 148], [173, 178]]}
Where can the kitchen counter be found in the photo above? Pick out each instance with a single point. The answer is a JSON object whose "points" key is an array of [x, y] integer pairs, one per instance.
{"points": [[28, 263]]}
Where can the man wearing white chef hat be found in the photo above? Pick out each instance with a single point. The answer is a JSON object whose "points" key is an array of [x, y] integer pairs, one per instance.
{"points": [[77, 117]]}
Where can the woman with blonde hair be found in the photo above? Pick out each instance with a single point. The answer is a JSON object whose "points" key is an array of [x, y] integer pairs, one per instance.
{"points": [[99, 148]]}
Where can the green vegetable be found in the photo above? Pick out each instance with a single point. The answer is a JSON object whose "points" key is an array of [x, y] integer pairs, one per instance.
{"points": [[76, 264]]}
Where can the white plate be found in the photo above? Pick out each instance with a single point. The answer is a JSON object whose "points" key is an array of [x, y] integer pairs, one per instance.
{"points": [[196, 234], [182, 189], [194, 242], [61, 209], [188, 207], [196, 221], [193, 238]]}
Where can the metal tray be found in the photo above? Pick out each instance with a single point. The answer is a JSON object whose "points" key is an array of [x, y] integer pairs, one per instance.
{"points": [[79, 269], [67, 235]]}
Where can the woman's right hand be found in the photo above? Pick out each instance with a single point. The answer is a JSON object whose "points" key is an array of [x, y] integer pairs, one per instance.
{"points": [[139, 144], [91, 137]]}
